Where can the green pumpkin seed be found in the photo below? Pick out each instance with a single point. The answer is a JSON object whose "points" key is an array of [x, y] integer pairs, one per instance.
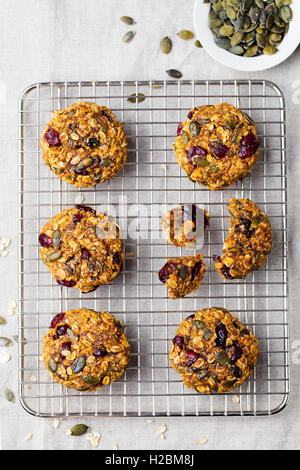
{"points": [[127, 19], [185, 137], [52, 365], [106, 162], [68, 269], [78, 364], [195, 128], [224, 43], [2, 321], [79, 430], [207, 334], [185, 34], [251, 52], [226, 31], [260, 3], [136, 98], [128, 36], [222, 358], [166, 45], [236, 38], [57, 239], [174, 73], [261, 40], [5, 342], [9, 395], [84, 164], [269, 50], [200, 325], [52, 255], [197, 43], [231, 13], [90, 380], [201, 162], [238, 50], [183, 272], [286, 14], [72, 335]]}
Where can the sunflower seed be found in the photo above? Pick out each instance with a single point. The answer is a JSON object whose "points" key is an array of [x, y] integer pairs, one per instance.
{"points": [[127, 19], [174, 73], [166, 45], [128, 36]]}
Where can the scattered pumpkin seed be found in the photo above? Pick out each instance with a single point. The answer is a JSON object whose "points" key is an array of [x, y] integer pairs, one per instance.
{"points": [[79, 429], [166, 45], [2, 321], [128, 36], [136, 98], [78, 364], [185, 34], [197, 43], [4, 342], [9, 395], [174, 73], [127, 19], [57, 239]]}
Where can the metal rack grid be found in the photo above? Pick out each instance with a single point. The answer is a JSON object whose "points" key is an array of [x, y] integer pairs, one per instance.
{"points": [[151, 178]]}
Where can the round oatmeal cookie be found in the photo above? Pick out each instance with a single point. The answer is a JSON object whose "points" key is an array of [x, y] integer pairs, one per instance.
{"points": [[180, 224], [84, 144], [248, 243], [213, 351], [85, 349], [182, 275], [216, 145], [81, 248]]}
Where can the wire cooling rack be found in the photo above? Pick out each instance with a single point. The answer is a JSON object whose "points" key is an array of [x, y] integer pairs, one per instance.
{"points": [[151, 179]]}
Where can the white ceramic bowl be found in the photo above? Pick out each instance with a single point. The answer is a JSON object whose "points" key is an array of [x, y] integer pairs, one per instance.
{"points": [[246, 64]]}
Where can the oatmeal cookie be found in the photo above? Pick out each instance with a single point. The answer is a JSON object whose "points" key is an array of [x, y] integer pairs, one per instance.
{"points": [[182, 275], [84, 144], [85, 350], [81, 248], [180, 224], [213, 351], [216, 145], [249, 241]]}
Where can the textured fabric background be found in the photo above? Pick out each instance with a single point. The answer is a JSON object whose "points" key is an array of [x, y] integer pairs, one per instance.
{"points": [[42, 40]]}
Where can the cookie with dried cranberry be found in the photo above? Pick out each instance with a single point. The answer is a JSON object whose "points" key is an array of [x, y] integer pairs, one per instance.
{"points": [[213, 351], [85, 350], [182, 275], [81, 248], [182, 224], [84, 144], [216, 145], [249, 241]]}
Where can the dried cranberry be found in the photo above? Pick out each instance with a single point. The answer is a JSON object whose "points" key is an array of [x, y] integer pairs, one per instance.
{"points": [[107, 116], [222, 334], [57, 319], [99, 352], [216, 258], [81, 172], [246, 224], [82, 207], [191, 356], [195, 150], [190, 114], [179, 129], [61, 331], [219, 150], [165, 271], [226, 271], [44, 240], [67, 283], [179, 341], [248, 146], [116, 258], [67, 345], [189, 212], [93, 142], [196, 270], [77, 218], [51, 136], [190, 317], [85, 254], [206, 221], [237, 351], [237, 372]]}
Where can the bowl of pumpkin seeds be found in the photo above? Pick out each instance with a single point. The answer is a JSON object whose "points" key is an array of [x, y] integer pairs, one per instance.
{"points": [[248, 35]]}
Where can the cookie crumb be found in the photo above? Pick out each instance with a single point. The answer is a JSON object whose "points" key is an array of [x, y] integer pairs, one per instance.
{"points": [[28, 437], [202, 441], [56, 423]]}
